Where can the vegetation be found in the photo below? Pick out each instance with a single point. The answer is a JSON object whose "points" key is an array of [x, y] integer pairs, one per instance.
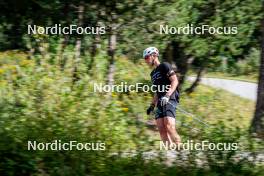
{"points": [[47, 86], [39, 103]]}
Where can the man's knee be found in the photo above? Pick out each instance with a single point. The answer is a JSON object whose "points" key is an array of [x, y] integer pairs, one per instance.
{"points": [[170, 128], [169, 123]]}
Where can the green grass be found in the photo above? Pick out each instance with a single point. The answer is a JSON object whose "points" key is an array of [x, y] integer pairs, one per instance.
{"points": [[216, 105]]}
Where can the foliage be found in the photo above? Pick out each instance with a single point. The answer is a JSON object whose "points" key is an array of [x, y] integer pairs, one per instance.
{"points": [[47, 86], [40, 103]]}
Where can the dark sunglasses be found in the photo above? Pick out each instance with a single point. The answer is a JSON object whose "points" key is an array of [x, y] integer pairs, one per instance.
{"points": [[147, 57]]}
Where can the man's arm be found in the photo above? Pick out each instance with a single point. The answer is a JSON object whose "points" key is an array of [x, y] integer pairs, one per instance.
{"points": [[153, 104], [155, 100], [173, 85]]}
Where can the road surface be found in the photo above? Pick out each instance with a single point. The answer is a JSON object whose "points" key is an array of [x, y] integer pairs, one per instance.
{"points": [[243, 89]]}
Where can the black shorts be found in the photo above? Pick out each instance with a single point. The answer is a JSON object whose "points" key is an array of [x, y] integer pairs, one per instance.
{"points": [[167, 110]]}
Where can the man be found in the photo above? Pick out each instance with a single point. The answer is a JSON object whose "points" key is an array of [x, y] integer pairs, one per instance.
{"points": [[165, 99]]}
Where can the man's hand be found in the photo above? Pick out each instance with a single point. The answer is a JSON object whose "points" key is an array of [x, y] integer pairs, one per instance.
{"points": [[150, 109], [164, 100]]}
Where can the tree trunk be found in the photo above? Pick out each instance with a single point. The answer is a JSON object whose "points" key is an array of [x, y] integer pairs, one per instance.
{"points": [[257, 125], [31, 53], [175, 53], [78, 43], [65, 40], [94, 50], [197, 80], [184, 69], [111, 54], [43, 48], [62, 58]]}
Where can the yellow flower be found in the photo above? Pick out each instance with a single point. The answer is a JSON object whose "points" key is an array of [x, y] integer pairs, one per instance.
{"points": [[125, 109], [113, 94]]}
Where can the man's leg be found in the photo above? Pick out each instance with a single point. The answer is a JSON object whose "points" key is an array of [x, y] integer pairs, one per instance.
{"points": [[171, 129], [162, 130]]}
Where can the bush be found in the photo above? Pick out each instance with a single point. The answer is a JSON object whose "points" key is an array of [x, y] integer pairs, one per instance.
{"points": [[250, 65]]}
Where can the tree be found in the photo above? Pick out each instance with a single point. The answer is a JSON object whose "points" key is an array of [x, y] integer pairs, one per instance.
{"points": [[115, 15], [258, 120], [207, 48], [78, 42]]}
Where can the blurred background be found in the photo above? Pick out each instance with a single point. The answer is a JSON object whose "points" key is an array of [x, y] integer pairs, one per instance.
{"points": [[46, 86]]}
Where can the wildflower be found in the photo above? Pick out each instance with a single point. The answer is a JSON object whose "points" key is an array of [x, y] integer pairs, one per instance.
{"points": [[125, 109]]}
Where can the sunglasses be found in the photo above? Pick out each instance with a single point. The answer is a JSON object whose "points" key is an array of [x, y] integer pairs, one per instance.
{"points": [[147, 57]]}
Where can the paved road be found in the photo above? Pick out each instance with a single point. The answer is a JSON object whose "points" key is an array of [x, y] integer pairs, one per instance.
{"points": [[244, 89]]}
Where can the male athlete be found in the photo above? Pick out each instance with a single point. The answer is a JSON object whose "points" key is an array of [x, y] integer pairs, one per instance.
{"points": [[164, 99]]}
